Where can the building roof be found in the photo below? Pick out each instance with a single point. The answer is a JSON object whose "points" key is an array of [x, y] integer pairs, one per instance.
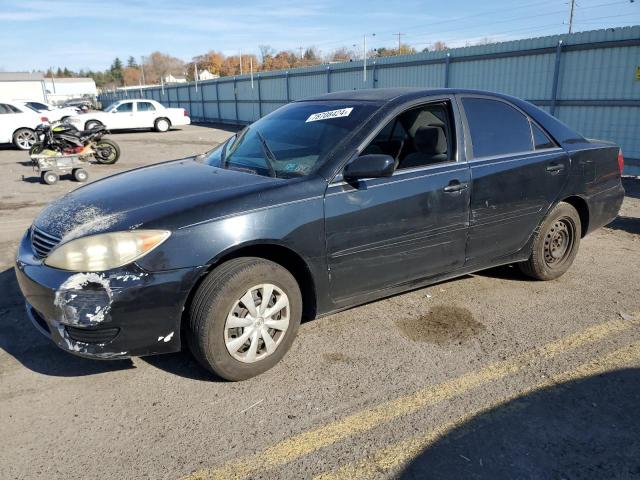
{"points": [[70, 79], [21, 76]]}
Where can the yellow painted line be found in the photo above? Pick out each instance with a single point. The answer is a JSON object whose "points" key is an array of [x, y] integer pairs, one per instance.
{"points": [[365, 420], [399, 454]]}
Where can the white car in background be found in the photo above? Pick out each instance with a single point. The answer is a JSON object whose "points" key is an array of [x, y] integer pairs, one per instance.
{"points": [[18, 124], [127, 114], [52, 113]]}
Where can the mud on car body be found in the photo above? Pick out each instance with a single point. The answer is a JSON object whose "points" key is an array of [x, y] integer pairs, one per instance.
{"points": [[322, 205]]}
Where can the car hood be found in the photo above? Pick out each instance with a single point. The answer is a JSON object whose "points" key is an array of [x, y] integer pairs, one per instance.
{"points": [[168, 195]]}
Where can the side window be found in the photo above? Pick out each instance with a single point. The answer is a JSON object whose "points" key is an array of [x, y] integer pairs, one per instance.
{"points": [[496, 128], [418, 137], [540, 139], [4, 109], [125, 107], [13, 109], [146, 107]]}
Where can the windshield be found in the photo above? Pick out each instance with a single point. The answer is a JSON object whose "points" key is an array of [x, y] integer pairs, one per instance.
{"points": [[109, 107], [293, 140]]}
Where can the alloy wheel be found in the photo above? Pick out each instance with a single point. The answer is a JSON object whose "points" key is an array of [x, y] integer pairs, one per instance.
{"points": [[25, 139]]}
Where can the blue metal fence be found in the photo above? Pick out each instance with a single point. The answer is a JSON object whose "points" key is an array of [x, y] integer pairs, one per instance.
{"points": [[589, 80]]}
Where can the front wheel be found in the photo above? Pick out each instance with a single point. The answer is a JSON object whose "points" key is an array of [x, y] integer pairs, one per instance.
{"points": [[555, 245], [92, 124], [24, 138], [107, 151], [244, 317], [36, 148], [50, 178]]}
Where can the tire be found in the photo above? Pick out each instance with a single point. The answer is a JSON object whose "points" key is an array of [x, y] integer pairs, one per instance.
{"points": [[80, 175], [555, 244], [211, 339], [101, 155], [36, 148], [24, 138], [162, 125], [50, 178], [91, 124]]}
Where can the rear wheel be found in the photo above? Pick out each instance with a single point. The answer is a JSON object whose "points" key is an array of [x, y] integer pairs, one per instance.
{"points": [[107, 151], [555, 245], [80, 175], [244, 317], [24, 138], [162, 125], [49, 177]]}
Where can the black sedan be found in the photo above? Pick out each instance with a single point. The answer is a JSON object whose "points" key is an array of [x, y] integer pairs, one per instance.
{"points": [[322, 205]]}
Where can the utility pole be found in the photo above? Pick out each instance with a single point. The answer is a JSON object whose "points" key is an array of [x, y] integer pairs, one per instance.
{"points": [[573, 5], [399, 34], [142, 69], [364, 56], [301, 49]]}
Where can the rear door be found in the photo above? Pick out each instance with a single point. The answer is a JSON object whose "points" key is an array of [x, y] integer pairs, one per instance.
{"points": [[387, 232], [517, 172], [145, 114]]}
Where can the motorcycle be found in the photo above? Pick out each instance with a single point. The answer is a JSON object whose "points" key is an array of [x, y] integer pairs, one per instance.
{"points": [[68, 140]]}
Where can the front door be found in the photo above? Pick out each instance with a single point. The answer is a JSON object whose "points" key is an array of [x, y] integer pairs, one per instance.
{"points": [[387, 232], [123, 117]]}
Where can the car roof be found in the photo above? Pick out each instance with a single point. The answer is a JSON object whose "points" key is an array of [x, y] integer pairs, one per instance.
{"points": [[384, 95]]}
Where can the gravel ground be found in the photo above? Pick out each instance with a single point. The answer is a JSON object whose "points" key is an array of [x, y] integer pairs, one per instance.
{"points": [[487, 376]]}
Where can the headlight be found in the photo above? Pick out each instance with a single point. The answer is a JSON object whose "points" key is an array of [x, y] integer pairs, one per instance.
{"points": [[105, 251]]}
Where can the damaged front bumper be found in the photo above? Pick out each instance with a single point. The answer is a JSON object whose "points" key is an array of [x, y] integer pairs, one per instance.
{"points": [[119, 313]]}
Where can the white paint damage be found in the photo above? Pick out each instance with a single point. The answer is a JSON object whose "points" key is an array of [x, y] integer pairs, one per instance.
{"points": [[64, 299], [70, 219], [166, 338], [128, 277]]}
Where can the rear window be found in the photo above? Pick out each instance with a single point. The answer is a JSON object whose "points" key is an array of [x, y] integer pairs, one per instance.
{"points": [[540, 139], [496, 128]]}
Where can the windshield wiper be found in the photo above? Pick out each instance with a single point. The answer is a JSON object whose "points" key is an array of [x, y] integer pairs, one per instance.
{"points": [[268, 155]]}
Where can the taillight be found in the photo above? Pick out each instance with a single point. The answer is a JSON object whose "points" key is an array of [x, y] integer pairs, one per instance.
{"points": [[44, 119], [620, 161], [186, 114]]}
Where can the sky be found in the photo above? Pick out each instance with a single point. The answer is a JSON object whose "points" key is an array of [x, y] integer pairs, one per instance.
{"points": [[88, 34]]}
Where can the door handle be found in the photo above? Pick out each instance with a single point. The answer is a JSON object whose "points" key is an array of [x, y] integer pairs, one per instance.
{"points": [[455, 186], [555, 168]]}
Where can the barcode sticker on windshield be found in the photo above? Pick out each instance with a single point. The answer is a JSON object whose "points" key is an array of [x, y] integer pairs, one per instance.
{"points": [[343, 112]]}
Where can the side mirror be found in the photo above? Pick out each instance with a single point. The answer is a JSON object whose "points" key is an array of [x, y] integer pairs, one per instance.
{"points": [[373, 165]]}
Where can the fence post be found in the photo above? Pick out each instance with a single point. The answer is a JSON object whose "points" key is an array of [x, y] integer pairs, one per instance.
{"points": [[556, 76], [235, 97], [328, 79], [189, 96], [204, 115], [447, 63], [286, 77], [259, 99], [218, 102], [374, 78]]}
